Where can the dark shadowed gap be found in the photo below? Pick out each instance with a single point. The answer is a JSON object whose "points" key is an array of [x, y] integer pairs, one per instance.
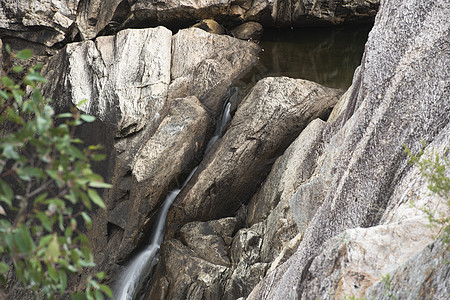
{"points": [[326, 55]]}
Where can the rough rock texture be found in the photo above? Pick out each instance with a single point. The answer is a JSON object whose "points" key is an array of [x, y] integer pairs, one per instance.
{"points": [[424, 276], [353, 261], [43, 22], [205, 65], [204, 248], [204, 241], [169, 152], [153, 137], [124, 78], [301, 12], [190, 277], [253, 250], [210, 26], [248, 31], [100, 17], [268, 119], [404, 68], [294, 167]]}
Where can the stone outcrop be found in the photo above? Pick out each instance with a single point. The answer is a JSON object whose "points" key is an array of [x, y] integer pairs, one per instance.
{"points": [[364, 149], [142, 90], [423, 276], [248, 31], [97, 17], [209, 25], [43, 22], [46, 25], [124, 78], [253, 249], [266, 122], [205, 65]]}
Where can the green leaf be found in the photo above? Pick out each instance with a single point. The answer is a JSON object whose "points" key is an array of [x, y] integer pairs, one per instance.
{"points": [[87, 219], [63, 280], [45, 221], [99, 184], [98, 157], [81, 102], [87, 118], [64, 115], [37, 67], [52, 272], [75, 152], [53, 251], [24, 54], [78, 296], [23, 240], [96, 198], [40, 198], [100, 275], [6, 193], [7, 81], [105, 289], [98, 295], [17, 69], [17, 97], [4, 95], [35, 77], [3, 268], [45, 240], [14, 117], [10, 153]]}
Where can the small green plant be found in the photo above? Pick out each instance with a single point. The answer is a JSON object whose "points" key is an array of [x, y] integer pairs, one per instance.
{"points": [[433, 169], [46, 186], [387, 286]]}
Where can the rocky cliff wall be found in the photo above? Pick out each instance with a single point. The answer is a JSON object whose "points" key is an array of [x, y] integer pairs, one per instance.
{"points": [[285, 204]]}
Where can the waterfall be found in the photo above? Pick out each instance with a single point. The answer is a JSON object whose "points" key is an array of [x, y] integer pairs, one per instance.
{"points": [[140, 269]]}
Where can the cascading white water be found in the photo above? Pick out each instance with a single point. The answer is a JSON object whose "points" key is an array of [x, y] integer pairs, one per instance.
{"points": [[225, 118], [140, 269]]}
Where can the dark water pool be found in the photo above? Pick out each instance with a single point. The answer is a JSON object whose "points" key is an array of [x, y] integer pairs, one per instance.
{"points": [[327, 55]]}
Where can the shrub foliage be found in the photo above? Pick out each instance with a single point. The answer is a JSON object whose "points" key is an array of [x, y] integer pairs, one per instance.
{"points": [[46, 188]]}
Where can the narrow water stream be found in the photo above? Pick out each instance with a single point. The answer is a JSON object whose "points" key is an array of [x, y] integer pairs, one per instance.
{"points": [[140, 269], [328, 56]]}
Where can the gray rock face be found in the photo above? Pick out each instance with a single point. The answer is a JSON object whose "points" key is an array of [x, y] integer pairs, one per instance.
{"points": [[203, 253], [353, 261], [294, 13], [190, 277], [124, 78], [268, 119], [169, 152], [204, 241], [252, 250], [424, 276], [294, 167], [404, 63], [205, 65], [44, 22], [154, 136]]}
